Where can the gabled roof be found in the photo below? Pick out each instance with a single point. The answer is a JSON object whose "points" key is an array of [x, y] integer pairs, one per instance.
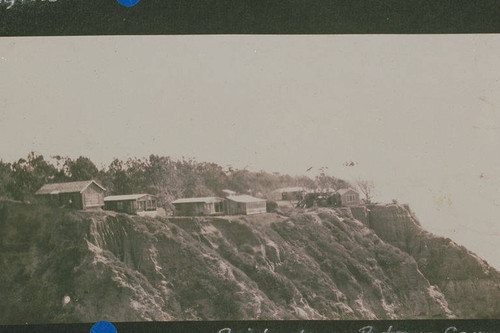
{"points": [[69, 187], [343, 191], [244, 198], [198, 200], [126, 197], [323, 190], [230, 192], [290, 189]]}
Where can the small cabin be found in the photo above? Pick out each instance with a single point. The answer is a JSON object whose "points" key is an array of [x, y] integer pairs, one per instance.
{"points": [[135, 204], [349, 197], [77, 195], [321, 199], [245, 205], [289, 194], [199, 206]]}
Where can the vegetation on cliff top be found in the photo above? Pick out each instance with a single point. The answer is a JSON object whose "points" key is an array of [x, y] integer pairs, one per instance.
{"points": [[158, 175]]}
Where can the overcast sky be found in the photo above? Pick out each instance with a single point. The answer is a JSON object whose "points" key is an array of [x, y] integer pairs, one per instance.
{"points": [[419, 115]]}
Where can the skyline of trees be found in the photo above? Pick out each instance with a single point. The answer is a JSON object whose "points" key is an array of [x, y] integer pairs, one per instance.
{"points": [[159, 175]]}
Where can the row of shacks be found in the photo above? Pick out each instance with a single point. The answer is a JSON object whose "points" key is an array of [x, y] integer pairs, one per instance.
{"points": [[90, 194], [340, 197], [230, 205]]}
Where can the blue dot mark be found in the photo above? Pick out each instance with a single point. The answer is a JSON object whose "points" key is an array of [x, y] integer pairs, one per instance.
{"points": [[128, 3], [103, 327]]}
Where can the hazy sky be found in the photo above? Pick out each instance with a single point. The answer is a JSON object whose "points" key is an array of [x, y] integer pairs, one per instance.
{"points": [[420, 115]]}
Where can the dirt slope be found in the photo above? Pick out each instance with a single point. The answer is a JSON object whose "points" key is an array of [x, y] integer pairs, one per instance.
{"points": [[66, 266]]}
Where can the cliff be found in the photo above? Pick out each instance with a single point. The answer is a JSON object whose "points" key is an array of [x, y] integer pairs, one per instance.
{"points": [[68, 266], [464, 278]]}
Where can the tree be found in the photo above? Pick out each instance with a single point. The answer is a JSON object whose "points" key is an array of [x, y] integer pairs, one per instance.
{"points": [[81, 169], [326, 182], [28, 175], [5, 178], [366, 187]]}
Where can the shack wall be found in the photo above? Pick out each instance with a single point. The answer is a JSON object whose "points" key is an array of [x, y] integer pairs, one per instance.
{"points": [[235, 208], [124, 206], [245, 208], [257, 207], [146, 203], [350, 198], [191, 209], [92, 196], [71, 200]]}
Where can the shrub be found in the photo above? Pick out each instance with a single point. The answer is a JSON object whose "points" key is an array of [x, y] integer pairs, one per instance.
{"points": [[271, 206]]}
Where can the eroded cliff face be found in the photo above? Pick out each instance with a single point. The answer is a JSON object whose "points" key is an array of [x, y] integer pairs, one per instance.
{"points": [[67, 266], [465, 279]]}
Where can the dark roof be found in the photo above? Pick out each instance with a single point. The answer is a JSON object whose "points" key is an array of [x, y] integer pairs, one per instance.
{"points": [[70, 187]]}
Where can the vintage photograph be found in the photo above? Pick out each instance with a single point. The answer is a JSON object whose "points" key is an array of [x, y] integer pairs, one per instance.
{"points": [[257, 177]]}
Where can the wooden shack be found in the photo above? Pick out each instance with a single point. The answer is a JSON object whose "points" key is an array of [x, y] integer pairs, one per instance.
{"points": [[77, 195], [199, 206], [135, 204], [244, 205], [349, 197], [289, 194]]}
